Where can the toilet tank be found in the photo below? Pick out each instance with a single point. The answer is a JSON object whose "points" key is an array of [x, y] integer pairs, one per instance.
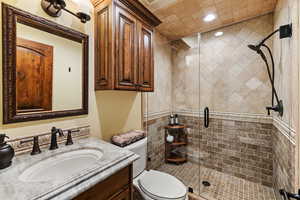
{"points": [[139, 148]]}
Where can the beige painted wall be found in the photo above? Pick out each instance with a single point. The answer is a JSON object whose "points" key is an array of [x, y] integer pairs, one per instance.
{"points": [[109, 112], [120, 112]]}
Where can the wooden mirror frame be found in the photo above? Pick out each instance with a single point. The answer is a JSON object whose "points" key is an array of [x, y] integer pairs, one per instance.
{"points": [[10, 17]]}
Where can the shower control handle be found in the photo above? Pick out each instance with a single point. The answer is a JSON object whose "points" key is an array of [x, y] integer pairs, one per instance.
{"points": [[278, 108], [268, 109]]}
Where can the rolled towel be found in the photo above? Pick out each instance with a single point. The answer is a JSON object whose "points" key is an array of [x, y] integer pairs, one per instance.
{"points": [[127, 138]]}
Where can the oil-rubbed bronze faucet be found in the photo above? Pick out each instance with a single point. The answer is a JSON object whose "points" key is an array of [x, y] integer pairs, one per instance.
{"points": [[54, 132]]}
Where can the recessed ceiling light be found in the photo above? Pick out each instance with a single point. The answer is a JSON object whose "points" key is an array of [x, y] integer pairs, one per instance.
{"points": [[219, 33], [209, 17]]}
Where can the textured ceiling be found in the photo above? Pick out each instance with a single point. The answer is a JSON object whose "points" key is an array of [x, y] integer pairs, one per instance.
{"points": [[184, 17]]}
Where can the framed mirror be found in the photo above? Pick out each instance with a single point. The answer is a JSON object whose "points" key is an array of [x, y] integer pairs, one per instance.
{"points": [[45, 68]]}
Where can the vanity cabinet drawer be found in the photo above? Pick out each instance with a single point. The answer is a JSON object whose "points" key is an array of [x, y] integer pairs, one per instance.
{"points": [[114, 187]]}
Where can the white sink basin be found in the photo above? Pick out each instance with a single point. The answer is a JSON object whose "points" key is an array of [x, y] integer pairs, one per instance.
{"points": [[62, 166]]}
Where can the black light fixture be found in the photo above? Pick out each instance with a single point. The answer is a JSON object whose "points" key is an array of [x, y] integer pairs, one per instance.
{"points": [[285, 31], [54, 9]]}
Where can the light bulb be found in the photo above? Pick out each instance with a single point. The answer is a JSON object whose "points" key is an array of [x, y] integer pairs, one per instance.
{"points": [[209, 17]]}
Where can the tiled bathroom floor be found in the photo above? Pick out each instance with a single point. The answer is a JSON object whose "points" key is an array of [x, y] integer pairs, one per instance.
{"points": [[223, 186]]}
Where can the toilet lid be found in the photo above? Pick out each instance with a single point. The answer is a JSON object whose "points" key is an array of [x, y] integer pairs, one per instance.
{"points": [[159, 185]]}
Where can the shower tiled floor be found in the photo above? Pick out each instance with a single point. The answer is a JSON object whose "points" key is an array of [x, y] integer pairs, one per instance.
{"points": [[223, 186]]}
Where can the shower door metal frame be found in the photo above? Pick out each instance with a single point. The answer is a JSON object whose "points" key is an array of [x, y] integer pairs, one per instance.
{"points": [[297, 164]]}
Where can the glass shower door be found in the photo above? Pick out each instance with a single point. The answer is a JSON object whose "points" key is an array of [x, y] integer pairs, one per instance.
{"points": [[237, 147]]}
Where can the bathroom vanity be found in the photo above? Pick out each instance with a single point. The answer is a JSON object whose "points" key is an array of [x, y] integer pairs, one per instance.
{"points": [[117, 187], [88, 169]]}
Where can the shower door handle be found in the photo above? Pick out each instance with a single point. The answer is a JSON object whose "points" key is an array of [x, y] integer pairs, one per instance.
{"points": [[206, 117]]}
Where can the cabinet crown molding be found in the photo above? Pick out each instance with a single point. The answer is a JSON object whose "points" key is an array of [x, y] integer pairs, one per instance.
{"points": [[138, 8]]}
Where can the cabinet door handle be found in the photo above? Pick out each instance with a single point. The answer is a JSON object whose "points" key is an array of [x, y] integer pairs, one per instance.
{"points": [[206, 117]]}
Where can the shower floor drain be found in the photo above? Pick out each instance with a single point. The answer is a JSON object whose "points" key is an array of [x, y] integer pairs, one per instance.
{"points": [[206, 183]]}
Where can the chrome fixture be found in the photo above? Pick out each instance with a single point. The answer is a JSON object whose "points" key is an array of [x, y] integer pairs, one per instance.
{"points": [[285, 31], [54, 9]]}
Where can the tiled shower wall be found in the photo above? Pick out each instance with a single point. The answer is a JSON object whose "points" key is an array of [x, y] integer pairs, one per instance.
{"points": [[230, 76], [241, 149], [257, 151], [283, 161], [254, 151]]}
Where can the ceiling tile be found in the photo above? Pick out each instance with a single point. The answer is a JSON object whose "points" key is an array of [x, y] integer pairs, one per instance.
{"points": [[181, 18]]}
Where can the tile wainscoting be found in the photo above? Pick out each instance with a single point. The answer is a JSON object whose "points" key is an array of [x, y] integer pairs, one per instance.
{"points": [[253, 147], [284, 153], [239, 148], [156, 142]]}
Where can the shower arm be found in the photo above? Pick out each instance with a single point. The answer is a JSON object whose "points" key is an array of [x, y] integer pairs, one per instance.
{"points": [[266, 38]]}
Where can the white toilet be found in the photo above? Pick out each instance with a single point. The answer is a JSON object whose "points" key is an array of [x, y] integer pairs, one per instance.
{"points": [[154, 185]]}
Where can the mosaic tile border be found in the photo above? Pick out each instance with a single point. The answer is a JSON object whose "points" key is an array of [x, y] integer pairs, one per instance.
{"points": [[21, 146], [244, 117]]}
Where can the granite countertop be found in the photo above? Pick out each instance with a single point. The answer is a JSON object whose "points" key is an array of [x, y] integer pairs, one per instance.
{"points": [[12, 188]]}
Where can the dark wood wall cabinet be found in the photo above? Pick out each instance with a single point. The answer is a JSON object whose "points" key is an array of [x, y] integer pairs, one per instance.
{"points": [[124, 46], [115, 187]]}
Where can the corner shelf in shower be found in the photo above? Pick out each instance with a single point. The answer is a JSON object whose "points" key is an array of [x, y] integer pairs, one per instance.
{"points": [[176, 151], [178, 143]]}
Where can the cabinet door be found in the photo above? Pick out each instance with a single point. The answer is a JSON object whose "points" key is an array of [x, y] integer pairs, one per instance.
{"points": [[126, 50], [146, 64], [103, 48]]}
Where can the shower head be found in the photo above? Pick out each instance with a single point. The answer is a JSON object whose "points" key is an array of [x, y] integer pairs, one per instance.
{"points": [[285, 31]]}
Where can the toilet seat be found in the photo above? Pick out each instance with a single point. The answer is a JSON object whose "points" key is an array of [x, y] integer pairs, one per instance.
{"points": [[161, 186]]}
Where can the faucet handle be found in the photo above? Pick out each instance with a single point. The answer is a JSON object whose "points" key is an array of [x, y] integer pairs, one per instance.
{"points": [[36, 148], [69, 138]]}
